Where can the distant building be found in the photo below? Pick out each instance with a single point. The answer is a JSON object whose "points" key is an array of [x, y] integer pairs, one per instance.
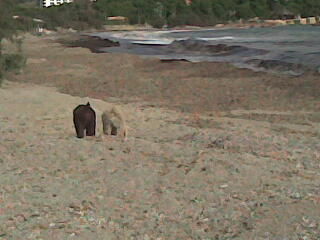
{"points": [[49, 3]]}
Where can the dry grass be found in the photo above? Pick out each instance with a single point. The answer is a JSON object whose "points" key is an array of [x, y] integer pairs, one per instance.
{"points": [[230, 174]]}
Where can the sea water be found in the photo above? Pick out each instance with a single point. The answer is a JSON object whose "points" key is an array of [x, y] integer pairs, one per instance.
{"points": [[289, 49]]}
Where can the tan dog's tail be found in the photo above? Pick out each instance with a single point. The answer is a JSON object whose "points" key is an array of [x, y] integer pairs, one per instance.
{"points": [[124, 128]]}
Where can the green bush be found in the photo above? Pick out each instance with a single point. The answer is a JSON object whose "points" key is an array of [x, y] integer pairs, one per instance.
{"points": [[11, 63], [157, 22]]}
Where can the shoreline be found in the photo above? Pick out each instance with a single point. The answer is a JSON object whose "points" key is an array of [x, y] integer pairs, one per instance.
{"points": [[92, 43]]}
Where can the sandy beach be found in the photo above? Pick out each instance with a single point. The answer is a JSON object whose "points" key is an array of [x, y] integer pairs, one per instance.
{"points": [[214, 152]]}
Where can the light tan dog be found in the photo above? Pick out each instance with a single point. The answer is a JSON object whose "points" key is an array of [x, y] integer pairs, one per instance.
{"points": [[112, 121]]}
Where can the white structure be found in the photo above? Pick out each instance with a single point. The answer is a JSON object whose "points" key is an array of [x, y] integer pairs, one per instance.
{"points": [[48, 3]]}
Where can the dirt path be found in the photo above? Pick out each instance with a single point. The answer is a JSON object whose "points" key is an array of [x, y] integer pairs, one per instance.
{"points": [[178, 176]]}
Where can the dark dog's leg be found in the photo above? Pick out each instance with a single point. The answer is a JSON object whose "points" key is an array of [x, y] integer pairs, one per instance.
{"points": [[78, 126], [79, 130], [91, 128]]}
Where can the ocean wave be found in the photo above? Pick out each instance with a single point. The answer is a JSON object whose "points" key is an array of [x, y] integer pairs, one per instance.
{"points": [[153, 42], [137, 35], [215, 38], [201, 47]]}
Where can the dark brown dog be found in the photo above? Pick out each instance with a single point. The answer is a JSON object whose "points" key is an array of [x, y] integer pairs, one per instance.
{"points": [[84, 119]]}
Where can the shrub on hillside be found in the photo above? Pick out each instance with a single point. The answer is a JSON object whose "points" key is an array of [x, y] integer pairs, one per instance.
{"points": [[12, 62], [157, 22], [8, 28]]}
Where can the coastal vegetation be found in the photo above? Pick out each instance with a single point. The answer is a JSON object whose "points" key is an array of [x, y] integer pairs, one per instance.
{"points": [[83, 13], [204, 12]]}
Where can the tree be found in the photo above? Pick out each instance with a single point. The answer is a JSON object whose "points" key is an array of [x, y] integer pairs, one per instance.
{"points": [[6, 21], [244, 11], [260, 8]]}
